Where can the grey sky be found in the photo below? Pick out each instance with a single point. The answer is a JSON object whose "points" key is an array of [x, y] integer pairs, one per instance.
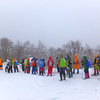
{"points": [[54, 22]]}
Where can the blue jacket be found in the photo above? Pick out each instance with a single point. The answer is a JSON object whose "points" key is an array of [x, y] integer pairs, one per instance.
{"points": [[41, 63], [15, 63]]}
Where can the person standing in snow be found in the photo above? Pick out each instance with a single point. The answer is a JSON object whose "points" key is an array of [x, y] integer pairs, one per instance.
{"points": [[15, 65], [10, 66], [41, 66], [50, 64], [34, 66], [44, 66], [22, 64], [27, 67], [96, 68], [1, 64], [62, 64], [69, 66], [57, 64], [84, 62], [76, 64], [5, 65]]}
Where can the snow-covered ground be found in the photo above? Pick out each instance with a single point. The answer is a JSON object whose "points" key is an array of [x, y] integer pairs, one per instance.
{"points": [[20, 86]]}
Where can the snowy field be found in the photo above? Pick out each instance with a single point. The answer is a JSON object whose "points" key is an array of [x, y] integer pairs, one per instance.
{"points": [[20, 86]]}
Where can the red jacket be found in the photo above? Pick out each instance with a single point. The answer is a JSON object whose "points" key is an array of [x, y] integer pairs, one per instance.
{"points": [[50, 58]]}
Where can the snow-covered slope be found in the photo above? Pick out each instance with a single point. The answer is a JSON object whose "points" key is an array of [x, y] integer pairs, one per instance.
{"points": [[20, 86]]}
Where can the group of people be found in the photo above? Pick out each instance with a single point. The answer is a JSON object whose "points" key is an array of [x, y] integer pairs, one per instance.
{"points": [[63, 64]]}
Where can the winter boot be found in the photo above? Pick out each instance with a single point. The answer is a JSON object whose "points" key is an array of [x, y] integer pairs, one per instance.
{"points": [[39, 72], [97, 72], [94, 72], [73, 71], [60, 77], [77, 71], [64, 77], [27, 71], [88, 75], [42, 73], [24, 71], [69, 75]]}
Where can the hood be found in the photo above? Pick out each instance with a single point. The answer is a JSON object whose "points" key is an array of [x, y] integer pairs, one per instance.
{"points": [[95, 56], [0, 58], [61, 55], [41, 59], [27, 58], [75, 56], [84, 57], [68, 56], [50, 57], [14, 59]]}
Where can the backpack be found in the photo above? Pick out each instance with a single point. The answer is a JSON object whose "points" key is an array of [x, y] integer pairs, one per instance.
{"points": [[78, 61], [62, 62], [15, 63], [25, 62], [98, 58], [88, 63], [41, 64], [33, 63], [70, 61], [50, 62]]}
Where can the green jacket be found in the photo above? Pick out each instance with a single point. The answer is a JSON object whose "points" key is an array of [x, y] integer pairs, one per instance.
{"points": [[84, 62], [10, 63], [58, 61]]}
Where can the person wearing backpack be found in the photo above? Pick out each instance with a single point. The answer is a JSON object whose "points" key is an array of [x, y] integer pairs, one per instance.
{"points": [[84, 62], [27, 66], [1, 64], [33, 64], [69, 66], [15, 65], [44, 66], [57, 65], [41, 66], [50, 64], [96, 67], [10, 66], [62, 65], [22, 64], [76, 64]]}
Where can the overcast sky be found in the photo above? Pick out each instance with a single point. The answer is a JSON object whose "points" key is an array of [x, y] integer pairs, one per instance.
{"points": [[54, 22]]}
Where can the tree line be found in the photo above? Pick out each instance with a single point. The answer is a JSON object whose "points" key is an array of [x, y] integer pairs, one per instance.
{"points": [[19, 50]]}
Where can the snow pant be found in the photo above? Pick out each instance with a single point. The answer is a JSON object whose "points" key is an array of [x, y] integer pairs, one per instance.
{"points": [[66, 70], [86, 72], [41, 71], [1, 68], [62, 71], [50, 70], [16, 68], [44, 70], [34, 69], [70, 73], [6, 69], [96, 71], [27, 69], [10, 69], [57, 68], [74, 71], [22, 67]]}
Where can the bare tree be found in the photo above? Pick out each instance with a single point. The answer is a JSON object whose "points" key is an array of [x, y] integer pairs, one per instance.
{"points": [[5, 47]]}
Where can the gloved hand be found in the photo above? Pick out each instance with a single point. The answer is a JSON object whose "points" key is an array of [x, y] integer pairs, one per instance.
{"points": [[68, 68]]}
